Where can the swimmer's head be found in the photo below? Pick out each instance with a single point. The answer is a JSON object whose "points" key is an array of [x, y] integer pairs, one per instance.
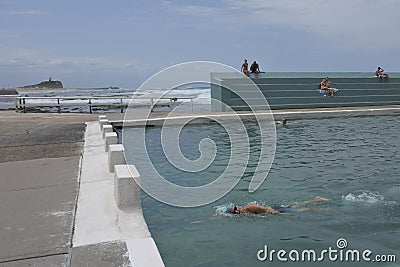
{"points": [[231, 208], [284, 121]]}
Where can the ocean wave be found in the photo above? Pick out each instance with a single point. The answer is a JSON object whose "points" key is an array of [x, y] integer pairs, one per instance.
{"points": [[221, 210]]}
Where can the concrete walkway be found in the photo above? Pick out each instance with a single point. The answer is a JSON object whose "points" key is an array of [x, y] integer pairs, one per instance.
{"points": [[99, 222], [41, 164]]}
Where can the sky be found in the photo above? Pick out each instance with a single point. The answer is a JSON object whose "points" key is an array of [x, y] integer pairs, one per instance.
{"points": [[96, 43]]}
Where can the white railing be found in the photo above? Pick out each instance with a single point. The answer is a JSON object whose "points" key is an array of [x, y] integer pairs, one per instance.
{"points": [[24, 103]]}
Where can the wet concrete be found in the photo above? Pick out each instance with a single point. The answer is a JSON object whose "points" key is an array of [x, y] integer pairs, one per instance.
{"points": [[35, 136], [39, 165], [37, 203], [107, 254]]}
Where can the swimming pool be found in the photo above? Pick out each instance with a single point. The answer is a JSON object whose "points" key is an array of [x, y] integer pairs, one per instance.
{"points": [[353, 161]]}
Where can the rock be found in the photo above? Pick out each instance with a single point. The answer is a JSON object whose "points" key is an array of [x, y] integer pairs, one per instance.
{"points": [[46, 85]]}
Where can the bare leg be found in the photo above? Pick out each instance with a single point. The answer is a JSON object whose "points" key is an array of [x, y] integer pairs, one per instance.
{"points": [[313, 201]]}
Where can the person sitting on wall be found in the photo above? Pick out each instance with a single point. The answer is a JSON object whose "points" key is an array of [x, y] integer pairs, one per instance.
{"points": [[255, 68], [322, 86], [245, 68], [380, 74], [325, 85]]}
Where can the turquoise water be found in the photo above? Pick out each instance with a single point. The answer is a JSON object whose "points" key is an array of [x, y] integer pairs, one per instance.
{"points": [[353, 161]]}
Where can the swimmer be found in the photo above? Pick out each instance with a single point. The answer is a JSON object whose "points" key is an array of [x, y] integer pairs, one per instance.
{"points": [[275, 209], [283, 121], [253, 209]]}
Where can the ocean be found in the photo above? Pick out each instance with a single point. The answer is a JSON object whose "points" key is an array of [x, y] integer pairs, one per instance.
{"points": [[201, 95]]}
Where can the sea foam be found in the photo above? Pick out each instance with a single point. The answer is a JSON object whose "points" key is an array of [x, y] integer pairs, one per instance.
{"points": [[364, 196]]}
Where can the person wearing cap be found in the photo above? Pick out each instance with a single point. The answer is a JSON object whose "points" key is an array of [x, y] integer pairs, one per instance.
{"points": [[254, 209], [275, 209]]}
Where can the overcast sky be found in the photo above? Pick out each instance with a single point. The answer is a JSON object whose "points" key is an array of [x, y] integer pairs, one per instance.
{"points": [[123, 42]]}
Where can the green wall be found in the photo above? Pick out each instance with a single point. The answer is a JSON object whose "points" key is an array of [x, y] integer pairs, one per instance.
{"points": [[286, 93]]}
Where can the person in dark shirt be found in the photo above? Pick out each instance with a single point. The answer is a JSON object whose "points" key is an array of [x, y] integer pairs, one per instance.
{"points": [[254, 68]]}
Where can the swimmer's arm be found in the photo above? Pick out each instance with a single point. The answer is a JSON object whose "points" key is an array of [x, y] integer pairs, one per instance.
{"points": [[209, 219]]}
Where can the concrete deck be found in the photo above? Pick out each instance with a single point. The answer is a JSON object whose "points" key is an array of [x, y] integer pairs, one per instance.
{"points": [[38, 186], [98, 220], [40, 166]]}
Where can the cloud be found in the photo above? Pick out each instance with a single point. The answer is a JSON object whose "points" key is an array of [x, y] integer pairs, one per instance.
{"points": [[27, 12], [7, 34], [6, 2], [364, 23], [212, 17], [22, 59], [325, 17], [22, 66]]}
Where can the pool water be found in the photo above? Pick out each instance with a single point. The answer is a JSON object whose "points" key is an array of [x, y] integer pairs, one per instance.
{"points": [[354, 161]]}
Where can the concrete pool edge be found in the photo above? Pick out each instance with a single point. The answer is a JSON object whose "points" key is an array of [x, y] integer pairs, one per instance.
{"points": [[98, 220], [158, 118]]}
